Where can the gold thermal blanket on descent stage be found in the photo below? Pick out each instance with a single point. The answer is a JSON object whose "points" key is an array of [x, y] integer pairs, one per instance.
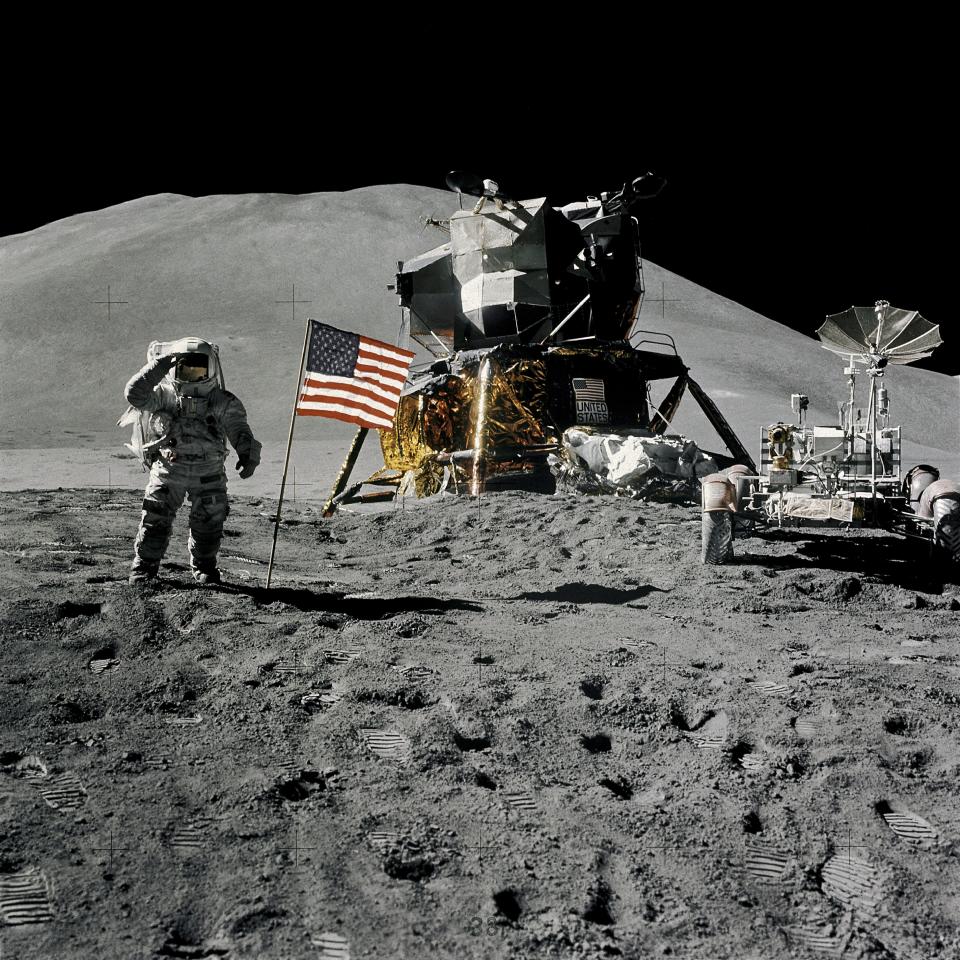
{"points": [[526, 396]]}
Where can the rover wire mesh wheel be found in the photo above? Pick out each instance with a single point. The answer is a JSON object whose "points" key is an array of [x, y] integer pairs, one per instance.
{"points": [[946, 526], [717, 536]]}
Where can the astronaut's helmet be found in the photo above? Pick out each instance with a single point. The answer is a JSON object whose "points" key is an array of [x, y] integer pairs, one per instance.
{"points": [[197, 371]]}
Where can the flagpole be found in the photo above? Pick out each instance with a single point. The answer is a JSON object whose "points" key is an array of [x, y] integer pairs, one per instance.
{"points": [[286, 459]]}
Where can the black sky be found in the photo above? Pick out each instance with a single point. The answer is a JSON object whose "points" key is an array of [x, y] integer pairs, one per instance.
{"points": [[795, 201]]}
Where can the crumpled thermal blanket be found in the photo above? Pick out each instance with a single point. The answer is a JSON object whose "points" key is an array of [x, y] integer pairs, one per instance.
{"points": [[623, 459]]}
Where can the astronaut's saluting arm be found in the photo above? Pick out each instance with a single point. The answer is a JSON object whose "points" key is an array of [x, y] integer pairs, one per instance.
{"points": [[139, 390]]}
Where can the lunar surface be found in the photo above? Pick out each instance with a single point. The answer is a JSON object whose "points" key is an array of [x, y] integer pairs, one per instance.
{"points": [[523, 726]]}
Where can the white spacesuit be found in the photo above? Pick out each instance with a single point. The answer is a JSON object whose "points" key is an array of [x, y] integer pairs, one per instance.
{"points": [[188, 415]]}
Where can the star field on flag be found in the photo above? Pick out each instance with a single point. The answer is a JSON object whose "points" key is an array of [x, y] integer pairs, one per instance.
{"points": [[352, 378]]}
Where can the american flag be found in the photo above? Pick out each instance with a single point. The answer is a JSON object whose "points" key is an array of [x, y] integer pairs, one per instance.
{"points": [[587, 388], [352, 378]]}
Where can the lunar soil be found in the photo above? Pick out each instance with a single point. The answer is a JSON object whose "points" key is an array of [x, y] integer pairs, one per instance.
{"points": [[520, 727]]}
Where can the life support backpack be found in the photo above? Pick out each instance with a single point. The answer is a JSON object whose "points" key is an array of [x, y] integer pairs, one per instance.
{"points": [[149, 432]]}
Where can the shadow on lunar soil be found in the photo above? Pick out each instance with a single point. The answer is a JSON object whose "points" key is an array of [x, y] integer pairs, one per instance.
{"points": [[357, 607], [891, 560], [579, 592]]}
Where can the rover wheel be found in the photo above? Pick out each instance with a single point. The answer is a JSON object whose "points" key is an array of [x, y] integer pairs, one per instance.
{"points": [[717, 537], [946, 526]]}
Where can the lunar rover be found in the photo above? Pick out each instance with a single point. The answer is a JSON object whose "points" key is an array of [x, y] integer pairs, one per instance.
{"points": [[846, 474], [530, 313]]}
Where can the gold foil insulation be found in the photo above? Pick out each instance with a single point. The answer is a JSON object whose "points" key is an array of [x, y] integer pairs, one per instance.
{"points": [[516, 408], [528, 400], [444, 418]]}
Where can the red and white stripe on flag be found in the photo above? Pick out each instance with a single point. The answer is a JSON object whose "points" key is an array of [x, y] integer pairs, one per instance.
{"points": [[353, 378]]}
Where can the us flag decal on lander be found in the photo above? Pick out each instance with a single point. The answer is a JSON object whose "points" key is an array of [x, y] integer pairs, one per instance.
{"points": [[591, 400]]}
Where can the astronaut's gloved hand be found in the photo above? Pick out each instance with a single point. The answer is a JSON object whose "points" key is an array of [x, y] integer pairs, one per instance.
{"points": [[245, 467]]}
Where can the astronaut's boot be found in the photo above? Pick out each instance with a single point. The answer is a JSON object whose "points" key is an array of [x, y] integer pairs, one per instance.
{"points": [[207, 577], [207, 514], [141, 572]]}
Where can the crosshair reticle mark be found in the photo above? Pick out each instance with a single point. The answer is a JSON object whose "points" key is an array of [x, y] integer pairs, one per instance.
{"points": [[850, 845], [293, 301], [109, 302], [478, 846], [297, 847], [112, 848], [665, 663], [663, 299], [851, 666]]}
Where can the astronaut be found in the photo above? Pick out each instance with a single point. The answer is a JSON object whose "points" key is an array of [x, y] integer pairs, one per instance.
{"points": [[188, 416]]}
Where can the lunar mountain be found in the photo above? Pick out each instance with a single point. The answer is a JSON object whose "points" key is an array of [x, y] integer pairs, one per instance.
{"points": [[81, 298]]}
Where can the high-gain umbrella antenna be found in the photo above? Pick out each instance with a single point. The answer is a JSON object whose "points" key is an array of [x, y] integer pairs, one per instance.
{"points": [[880, 332], [877, 336]]}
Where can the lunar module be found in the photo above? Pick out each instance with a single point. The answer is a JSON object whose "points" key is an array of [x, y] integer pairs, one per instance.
{"points": [[529, 311], [845, 474]]}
